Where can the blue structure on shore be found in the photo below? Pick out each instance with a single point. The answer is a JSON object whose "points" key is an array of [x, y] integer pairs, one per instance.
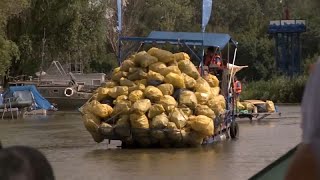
{"points": [[287, 35]]}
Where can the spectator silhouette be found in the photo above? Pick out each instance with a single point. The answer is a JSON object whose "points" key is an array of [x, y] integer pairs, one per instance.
{"points": [[24, 163]]}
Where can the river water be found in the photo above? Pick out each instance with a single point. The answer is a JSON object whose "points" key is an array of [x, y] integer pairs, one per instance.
{"points": [[74, 155]]}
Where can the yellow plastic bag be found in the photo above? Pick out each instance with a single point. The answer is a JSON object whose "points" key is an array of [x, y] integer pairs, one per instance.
{"points": [[153, 93], [86, 108], [187, 111], [202, 86], [155, 110], [177, 136], [122, 126], [118, 91], [170, 69], [102, 93], [135, 69], [97, 137], [144, 59], [105, 125], [160, 121], [123, 120], [215, 91], [205, 110], [202, 97], [162, 55], [122, 107], [194, 138], [172, 63], [240, 106], [126, 65], [115, 70], [141, 106], [91, 122], [142, 81], [249, 106], [139, 121], [166, 89], [116, 76], [154, 76], [109, 84], [188, 68], [168, 102], [178, 117], [126, 82], [189, 81], [270, 106], [136, 95], [202, 124], [212, 80], [175, 79], [137, 75], [101, 110], [157, 67], [120, 99], [188, 98], [217, 104], [181, 56], [171, 125], [137, 87]]}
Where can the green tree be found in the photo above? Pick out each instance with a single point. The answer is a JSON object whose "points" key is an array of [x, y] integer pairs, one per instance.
{"points": [[8, 49]]}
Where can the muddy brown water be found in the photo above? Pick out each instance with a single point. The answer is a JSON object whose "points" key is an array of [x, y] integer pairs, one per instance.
{"points": [[73, 154]]}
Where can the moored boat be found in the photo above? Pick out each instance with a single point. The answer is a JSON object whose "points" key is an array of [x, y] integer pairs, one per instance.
{"points": [[68, 91], [23, 100]]}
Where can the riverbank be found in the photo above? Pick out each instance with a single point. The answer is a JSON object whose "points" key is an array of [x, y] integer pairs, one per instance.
{"points": [[281, 90]]}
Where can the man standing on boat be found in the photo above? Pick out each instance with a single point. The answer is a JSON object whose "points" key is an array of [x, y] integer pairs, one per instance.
{"points": [[213, 59], [237, 88]]}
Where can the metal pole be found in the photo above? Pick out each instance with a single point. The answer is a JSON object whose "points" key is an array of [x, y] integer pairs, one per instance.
{"points": [[231, 74], [42, 53], [228, 52], [119, 49], [201, 63], [119, 6]]}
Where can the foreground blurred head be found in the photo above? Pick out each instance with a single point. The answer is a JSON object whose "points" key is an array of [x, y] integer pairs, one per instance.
{"points": [[24, 163], [306, 161]]}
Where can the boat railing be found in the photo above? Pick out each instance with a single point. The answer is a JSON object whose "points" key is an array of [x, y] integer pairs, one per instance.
{"points": [[8, 101]]}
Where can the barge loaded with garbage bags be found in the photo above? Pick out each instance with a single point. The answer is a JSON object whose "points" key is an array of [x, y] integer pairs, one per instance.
{"points": [[157, 98]]}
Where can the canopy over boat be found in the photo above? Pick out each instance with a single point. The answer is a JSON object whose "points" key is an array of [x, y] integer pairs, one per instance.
{"points": [[219, 40]]}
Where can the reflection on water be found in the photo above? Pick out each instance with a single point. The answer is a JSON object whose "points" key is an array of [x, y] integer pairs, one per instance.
{"points": [[74, 155]]}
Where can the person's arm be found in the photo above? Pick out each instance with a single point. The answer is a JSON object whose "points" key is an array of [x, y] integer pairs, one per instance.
{"points": [[306, 161], [303, 165]]}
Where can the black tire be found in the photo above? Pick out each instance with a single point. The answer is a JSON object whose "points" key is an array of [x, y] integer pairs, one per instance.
{"points": [[234, 130]]}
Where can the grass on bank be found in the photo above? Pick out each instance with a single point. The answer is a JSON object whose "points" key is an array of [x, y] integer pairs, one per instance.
{"points": [[280, 89]]}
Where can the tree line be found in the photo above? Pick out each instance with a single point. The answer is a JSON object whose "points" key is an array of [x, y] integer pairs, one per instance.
{"points": [[86, 30]]}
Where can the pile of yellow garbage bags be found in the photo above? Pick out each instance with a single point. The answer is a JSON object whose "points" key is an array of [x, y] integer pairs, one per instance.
{"points": [[156, 97], [269, 106]]}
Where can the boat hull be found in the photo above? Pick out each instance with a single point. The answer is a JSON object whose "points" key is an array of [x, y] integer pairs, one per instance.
{"points": [[66, 103]]}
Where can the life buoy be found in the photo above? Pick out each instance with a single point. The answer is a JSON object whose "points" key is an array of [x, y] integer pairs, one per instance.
{"points": [[68, 92]]}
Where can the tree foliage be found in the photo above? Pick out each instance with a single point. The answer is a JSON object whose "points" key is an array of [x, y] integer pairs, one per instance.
{"points": [[86, 30]]}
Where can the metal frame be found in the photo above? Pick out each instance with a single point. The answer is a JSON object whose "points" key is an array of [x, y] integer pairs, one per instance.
{"points": [[287, 39]]}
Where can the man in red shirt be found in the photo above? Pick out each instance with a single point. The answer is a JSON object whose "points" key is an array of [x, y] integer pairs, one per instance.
{"points": [[213, 60], [212, 57], [237, 88]]}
